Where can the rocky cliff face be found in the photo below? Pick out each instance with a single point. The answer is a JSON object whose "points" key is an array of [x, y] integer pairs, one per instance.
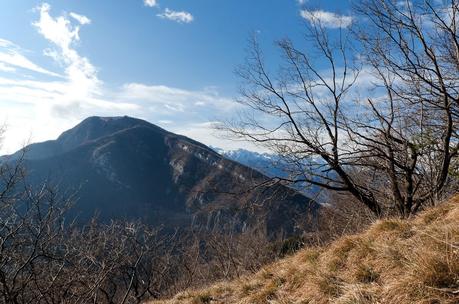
{"points": [[126, 168]]}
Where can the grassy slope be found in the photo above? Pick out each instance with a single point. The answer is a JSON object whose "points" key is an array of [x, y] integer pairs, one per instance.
{"points": [[395, 261]]}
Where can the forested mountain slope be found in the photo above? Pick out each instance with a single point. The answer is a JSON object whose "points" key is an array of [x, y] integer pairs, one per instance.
{"points": [[127, 168]]}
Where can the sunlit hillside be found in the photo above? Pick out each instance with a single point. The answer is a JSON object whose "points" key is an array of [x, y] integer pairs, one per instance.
{"points": [[394, 261]]}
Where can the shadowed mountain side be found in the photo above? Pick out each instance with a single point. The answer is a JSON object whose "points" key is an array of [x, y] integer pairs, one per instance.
{"points": [[126, 168]]}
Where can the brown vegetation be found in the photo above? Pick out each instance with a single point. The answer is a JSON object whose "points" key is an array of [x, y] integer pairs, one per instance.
{"points": [[394, 261], [45, 258]]}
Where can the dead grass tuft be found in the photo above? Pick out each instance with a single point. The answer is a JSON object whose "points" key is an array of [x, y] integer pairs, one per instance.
{"points": [[394, 261]]}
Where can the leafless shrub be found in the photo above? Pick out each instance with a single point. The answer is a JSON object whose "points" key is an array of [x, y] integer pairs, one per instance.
{"points": [[45, 258]]}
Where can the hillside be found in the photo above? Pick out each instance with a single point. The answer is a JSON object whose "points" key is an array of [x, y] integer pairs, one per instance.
{"points": [[127, 168], [394, 261]]}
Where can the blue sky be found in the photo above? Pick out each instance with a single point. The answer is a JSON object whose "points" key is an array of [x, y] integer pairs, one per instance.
{"points": [[169, 62]]}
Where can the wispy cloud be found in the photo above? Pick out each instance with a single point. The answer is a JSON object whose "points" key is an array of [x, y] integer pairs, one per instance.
{"points": [[11, 59], [150, 3], [80, 18], [40, 108], [326, 19], [177, 16], [168, 100], [80, 73]]}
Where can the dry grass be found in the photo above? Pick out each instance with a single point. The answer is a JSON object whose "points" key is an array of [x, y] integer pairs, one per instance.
{"points": [[394, 261]]}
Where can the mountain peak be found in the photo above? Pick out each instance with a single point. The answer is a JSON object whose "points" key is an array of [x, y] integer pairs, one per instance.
{"points": [[95, 127], [128, 167], [90, 129], [98, 125], [111, 119]]}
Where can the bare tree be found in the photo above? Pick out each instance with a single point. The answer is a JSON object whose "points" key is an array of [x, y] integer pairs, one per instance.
{"points": [[30, 223], [412, 49], [391, 149], [44, 258]]}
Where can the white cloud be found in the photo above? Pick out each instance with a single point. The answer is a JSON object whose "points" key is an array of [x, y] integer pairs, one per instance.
{"points": [[59, 31], [83, 20], [6, 67], [81, 74], [207, 133], [177, 16], [150, 3], [166, 99], [326, 19], [11, 58], [40, 108]]}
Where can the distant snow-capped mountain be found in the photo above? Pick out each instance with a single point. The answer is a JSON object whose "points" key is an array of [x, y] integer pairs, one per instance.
{"points": [[271, 165]]}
